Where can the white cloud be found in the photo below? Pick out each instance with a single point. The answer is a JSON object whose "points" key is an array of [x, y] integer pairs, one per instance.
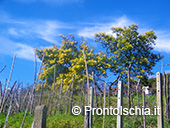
{"points": [[88, 32], [13, 31], [163, 41], [46, 30], [25, 51], [28, 33], [9, 47], [163, 44]]}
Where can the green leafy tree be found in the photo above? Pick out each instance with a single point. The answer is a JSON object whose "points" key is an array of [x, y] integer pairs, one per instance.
{"points": [[130, 53]]}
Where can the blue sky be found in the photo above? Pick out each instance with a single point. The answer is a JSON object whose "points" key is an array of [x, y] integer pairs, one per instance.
{"points": [[29, 24]]}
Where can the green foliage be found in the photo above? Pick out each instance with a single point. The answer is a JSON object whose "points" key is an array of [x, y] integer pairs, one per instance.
{"points": [[65, 121], [2, 120], [15, 121], [152, 83], [127, 47]]}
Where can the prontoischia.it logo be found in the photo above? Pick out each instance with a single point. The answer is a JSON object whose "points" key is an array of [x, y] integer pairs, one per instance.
{"points": [[76, 110]]}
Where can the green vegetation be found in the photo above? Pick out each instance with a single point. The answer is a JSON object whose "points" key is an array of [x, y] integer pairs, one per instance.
{"points": [[127, 54], [68, 60], [70, 121], [15, 121], [127, 49]]}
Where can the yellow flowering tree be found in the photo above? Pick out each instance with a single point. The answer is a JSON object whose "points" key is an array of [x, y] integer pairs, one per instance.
{"points": [[128, 49], [69, 60], [131, 52]]}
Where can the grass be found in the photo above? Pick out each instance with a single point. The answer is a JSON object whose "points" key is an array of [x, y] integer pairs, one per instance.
{"points": [[70, 121], [15, 121]]}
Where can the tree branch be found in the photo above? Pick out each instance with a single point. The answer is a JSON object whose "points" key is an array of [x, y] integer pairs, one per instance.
{"points": [[115, 81]]}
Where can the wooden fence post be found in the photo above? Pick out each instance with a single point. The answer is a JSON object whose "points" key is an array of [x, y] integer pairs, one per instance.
{"points": [[87, 74], [8, 95], [3, 93], [72, 93], [35, 77], [120, 104], [167, 97], [35, 82], [88, 118], [24, 100], [160, 123], [132, 100], [6, 91], [40, 117], [53, 89], [144, 117], [9, 110], [95, 93], [101, 100], [32, 101], [26, 111], [164, 76], [60, 96], [41, 94], [109, 97], [137, 92], [83, 90], [91, 94], [0, 91], [104, 104], [67, 105], [48, 101], [20, 97]]}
